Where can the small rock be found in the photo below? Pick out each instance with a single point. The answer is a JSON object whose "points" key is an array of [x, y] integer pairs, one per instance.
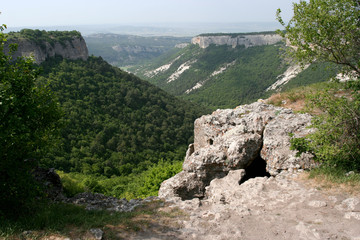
{"points": [[98, 233], [317, 204], [350, 215], [333, 199], [27, 232], [348, 204]]}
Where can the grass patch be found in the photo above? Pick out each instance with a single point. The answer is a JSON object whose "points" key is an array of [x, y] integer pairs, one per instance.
{"points": [[298, 98], [336, 175], [336, 179], [67, 220]]}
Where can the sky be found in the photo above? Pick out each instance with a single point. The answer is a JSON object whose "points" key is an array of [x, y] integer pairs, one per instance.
{"points": [[26, 13]]}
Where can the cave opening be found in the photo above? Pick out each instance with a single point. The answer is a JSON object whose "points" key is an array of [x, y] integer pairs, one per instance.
{"points": [[256, 169]]}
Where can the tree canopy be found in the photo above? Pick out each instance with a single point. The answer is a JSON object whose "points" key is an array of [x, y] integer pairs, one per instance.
{"points": [[325, 30], [115, 122]]}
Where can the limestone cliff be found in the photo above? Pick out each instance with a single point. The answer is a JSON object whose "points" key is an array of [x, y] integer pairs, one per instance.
{"points": [[248, 40], [70, 48], [249, 137]]}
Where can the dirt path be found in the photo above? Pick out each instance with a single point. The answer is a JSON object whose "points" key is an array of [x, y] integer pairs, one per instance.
{"points": [[285, 207]]}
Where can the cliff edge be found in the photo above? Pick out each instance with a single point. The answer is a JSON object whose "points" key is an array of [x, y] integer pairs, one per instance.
{"points": [[42, 45], [248, 40]]}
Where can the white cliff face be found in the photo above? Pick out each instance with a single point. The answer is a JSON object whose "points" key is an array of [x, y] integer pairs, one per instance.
{"points": [[71, 49], [246, 40]]}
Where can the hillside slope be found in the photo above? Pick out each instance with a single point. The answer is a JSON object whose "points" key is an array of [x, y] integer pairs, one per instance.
{"points": [[116, 129], [114, 120], [225, 71]]}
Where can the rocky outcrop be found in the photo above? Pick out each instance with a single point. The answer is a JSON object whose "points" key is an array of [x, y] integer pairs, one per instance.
{"points": [[281, 207], [70, 49], [234, 139], [243, 39]]}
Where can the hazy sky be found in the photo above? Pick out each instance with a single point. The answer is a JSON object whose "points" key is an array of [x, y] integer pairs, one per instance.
{"points": [[23, 13]]}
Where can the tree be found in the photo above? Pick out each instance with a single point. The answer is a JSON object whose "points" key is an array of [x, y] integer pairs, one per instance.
{"points": [[325, 30], [29, 119], [329, 31]]}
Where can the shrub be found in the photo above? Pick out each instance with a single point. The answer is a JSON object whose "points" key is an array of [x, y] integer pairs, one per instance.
{"points": [[336, 141], [29, 120]]}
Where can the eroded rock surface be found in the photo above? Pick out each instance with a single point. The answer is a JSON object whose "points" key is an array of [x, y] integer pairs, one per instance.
{"points": [[280, 207], [232, 139]]}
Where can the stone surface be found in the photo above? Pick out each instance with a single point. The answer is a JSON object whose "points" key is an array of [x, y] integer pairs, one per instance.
{"points": [[184, 185], [223, 190], [317, 204], [232, 139], [276, 142], [279, 207]]}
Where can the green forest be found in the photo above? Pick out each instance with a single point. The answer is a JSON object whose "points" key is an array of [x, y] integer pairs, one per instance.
{"points": [[104, 130], [41, 36], [115, 125]]}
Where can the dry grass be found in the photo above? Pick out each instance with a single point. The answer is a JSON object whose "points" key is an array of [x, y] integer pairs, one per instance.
{"points": [[297, 98], [285, 100], [327, 184]]}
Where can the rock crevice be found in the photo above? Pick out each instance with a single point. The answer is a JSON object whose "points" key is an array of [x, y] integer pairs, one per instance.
{"points": [[233, 139]]}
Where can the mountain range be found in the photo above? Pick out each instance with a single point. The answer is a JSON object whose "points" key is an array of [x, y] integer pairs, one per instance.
{"points": [[226, 70]]}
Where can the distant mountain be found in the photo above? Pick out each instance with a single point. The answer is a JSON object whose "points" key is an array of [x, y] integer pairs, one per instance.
{"points": [[126, 50], [226, 70]]}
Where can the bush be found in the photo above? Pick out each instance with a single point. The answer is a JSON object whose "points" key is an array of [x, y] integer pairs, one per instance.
{"points": [[70, 185], [336, 143]]}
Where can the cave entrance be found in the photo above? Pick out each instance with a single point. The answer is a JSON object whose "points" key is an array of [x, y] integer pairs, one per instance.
{"points": [[256, 169]]}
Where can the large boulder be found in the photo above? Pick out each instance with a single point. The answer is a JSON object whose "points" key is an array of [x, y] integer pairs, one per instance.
{"points": [[232, 139]]}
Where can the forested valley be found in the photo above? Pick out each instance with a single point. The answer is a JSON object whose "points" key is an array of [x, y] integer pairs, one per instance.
{"points": [[116, 127]]}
